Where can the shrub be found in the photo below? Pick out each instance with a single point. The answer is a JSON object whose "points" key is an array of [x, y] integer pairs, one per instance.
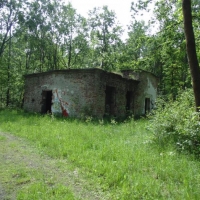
{"points": [[176, 122]]}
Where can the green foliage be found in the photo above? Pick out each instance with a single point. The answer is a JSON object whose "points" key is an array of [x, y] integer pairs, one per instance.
{"points": [[132, 56], [105, 38], [162, 44], [176, 122]]}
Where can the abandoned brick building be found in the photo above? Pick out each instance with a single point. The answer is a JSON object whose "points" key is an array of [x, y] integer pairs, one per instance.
{"points": [[94, 92]]}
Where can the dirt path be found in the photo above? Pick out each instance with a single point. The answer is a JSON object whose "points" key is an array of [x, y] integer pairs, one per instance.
{"points": [[2, 193], [17, 153]]}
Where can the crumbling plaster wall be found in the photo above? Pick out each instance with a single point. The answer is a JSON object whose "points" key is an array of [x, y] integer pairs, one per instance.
{"points": [[77, 92], [120, 86], [72, 91], [147, 88], [33, 91]]}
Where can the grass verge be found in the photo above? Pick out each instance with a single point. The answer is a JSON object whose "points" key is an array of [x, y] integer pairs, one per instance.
{"points": [[120, 157]]}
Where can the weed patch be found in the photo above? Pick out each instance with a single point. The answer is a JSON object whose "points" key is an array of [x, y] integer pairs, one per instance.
{"points": [[176, 123]]}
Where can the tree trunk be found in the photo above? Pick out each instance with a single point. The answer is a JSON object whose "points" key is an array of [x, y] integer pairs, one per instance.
{"points": [[8, 74], [191, 50], [70, 49]]}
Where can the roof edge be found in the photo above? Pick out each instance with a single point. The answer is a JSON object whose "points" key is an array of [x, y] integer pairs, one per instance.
{"points": [[88, 70]]}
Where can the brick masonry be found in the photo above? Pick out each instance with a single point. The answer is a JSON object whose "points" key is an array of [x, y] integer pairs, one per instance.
{"points": [[93, 92]]}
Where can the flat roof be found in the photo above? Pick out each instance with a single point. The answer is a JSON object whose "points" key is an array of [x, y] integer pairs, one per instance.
{"points": [[87, 70]]}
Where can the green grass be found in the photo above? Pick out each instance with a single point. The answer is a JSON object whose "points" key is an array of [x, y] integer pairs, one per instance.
{"points": [[42, 191], [29, 184], [119, 156]]}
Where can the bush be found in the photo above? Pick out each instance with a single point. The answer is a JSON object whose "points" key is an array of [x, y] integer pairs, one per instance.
{"points": [[176, 122]]}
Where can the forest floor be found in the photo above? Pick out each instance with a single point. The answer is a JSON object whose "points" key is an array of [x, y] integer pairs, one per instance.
{"points": [[21, 165]]}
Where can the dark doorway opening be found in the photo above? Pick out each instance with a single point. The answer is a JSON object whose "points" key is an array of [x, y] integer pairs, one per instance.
{"points": [[46, 101], [129, 100], [147, 105], [110, 100]]}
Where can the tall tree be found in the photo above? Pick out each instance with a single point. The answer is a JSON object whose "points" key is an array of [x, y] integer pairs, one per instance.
{"points": [[10, 14], [39, 35], [73, 31], [135, 46], [164, 52], [191, 50], [105, 37]]}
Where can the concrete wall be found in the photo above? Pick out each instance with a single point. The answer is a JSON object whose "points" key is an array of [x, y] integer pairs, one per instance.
{"points": [[72, 91], [77, 92], [122, 85], [146, 89]]}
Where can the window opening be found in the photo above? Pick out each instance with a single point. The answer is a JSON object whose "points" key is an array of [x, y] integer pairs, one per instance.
{"points": [[110, 100], [129, 97], [147, 105]]}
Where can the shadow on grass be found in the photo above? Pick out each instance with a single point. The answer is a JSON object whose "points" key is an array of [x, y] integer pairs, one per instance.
{"points": [[14, 115]]}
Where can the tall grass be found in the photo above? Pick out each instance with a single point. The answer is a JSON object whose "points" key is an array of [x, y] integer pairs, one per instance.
{"points": [[119, 156]]}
